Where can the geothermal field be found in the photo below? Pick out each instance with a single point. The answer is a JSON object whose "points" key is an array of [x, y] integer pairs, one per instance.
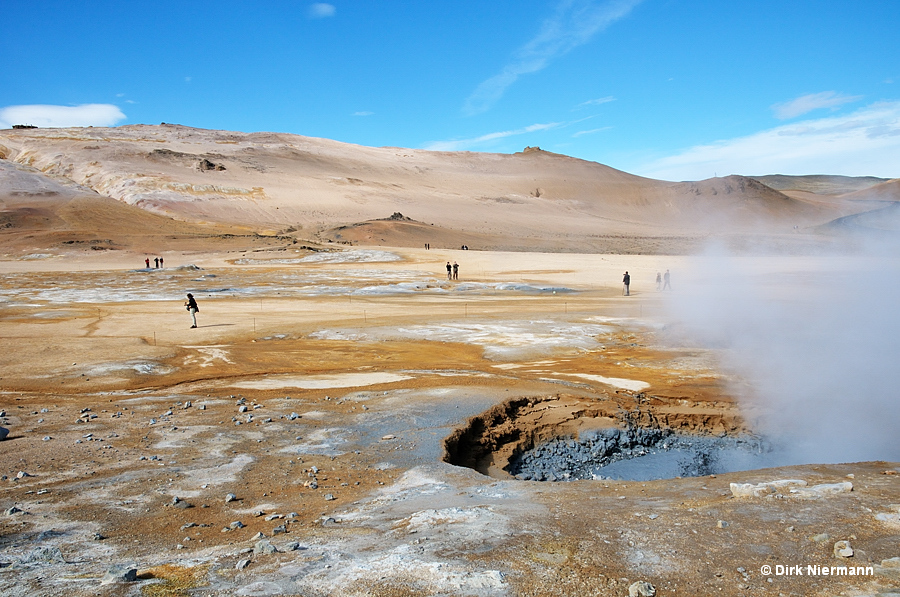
{"points": [[348, 419]]}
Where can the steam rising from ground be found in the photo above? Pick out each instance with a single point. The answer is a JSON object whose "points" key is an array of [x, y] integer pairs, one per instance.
{"points": [[815, 341]]}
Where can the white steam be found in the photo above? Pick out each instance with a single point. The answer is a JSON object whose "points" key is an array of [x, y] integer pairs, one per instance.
{"points": [[814, 341]]}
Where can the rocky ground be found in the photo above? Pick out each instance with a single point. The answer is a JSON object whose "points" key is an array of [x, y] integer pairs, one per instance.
{"points": [[296, 442]]}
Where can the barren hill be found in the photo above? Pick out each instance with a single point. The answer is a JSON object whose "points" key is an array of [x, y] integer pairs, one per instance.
{"points": [[272, 182]]}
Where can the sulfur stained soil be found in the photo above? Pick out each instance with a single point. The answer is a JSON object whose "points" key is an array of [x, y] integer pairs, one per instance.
{"points": [[326, 398]]}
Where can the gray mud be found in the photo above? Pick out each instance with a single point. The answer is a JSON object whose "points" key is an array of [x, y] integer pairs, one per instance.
{"points": [[639, 454]]}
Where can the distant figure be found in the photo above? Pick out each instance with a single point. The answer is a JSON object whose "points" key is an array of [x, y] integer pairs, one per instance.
{"points": [[666, 284], [626, 280], [449, 271], [658, 281], [192, 308], [156, 262], [147, 261], [160, 262], [455, 271]]}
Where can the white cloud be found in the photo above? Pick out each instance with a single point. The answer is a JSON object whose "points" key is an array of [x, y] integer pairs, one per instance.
{"points": [[592, 131], [462, 144], [597, 102], [864, 143], [321, 10], [61, 116], [574, 23], [813, 101], [363, 113]]}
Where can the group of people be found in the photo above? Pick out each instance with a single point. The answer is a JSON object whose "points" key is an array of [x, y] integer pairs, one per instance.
{"points": [[157, 262], [452, 271], [663, 282]]}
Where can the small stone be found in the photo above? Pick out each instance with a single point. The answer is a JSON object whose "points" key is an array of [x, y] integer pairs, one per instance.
{"points": [[842, 549], [722, 524], [202, 407], [119, 573], [242, 408], [12, 510], [258, 536], [641, 588], [99, 537], [46, 438], [22, 475], [329, 497], [230, 497], [387, 437], [3, 430], [820, 538], [237, 524], [242, 564], [188, 525], [264, 547], [272, 517], [329, 522], [292, 546], [279, 530]]}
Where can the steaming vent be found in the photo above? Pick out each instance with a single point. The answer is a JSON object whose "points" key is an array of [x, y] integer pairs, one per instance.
{"points": [[633, 437]]}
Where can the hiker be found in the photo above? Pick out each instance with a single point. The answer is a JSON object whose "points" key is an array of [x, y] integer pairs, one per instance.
{"points": [[147, 262], [666, 281], [455, 271], [626, 280], [658, 281], [191, 305], [156, 262], [449, 271], [160, 262]]}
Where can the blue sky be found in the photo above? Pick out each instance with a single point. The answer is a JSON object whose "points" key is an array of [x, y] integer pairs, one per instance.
{"points": [[672, 89]]}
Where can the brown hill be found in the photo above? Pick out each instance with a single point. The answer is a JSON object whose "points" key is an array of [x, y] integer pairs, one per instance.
{"points": [[271, 182]]}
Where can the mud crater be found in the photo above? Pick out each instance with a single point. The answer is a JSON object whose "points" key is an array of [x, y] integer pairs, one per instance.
{"points": [[627, 436]]}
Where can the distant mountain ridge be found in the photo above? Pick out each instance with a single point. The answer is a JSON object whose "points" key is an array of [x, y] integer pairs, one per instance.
{"points": [[271, 182]]}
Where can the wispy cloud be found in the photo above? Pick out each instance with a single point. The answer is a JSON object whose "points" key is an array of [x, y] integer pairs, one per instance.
{"points": [[461, 144], [61, 116], [814, 101], [592, 131], [596, 102], [866, 142], [321, 10], [363, 113], [573, 24]]}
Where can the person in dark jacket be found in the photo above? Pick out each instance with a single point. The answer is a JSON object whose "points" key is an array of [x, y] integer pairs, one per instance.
{"points": [[626, 280], [192, 308]]}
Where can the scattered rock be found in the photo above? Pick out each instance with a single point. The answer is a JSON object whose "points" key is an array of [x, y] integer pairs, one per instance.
{"points": [[763, 489], [387, 437], [641, 588], [237, 524], [120, 573], [842, 549], [3, 433], [722, 524], [43, 555], [279, 530], [826, 489], [242, 564], [230, 497], [12, 510], [22, 475], [820, 538], [329, 497], [264, 547]]}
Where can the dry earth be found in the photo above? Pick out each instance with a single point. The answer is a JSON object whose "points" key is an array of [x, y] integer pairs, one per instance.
{"points": [[329, 388]]}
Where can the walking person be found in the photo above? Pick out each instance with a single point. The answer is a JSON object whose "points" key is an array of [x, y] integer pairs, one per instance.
{"points": [[666, 281], [156, 262], [658, 281], [449, 271], [455, 271], [626, 280], [192, 308], [160, 262], [147, 262]]}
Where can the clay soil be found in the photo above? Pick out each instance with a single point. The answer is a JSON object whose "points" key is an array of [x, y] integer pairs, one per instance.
{"points": [[321, 396]]}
